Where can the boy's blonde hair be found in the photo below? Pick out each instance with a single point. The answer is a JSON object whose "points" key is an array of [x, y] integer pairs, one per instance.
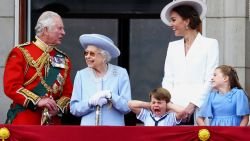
{"points": [[160, 94]]}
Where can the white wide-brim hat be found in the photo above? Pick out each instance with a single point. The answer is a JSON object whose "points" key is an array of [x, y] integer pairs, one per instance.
{"points": [[100, 41], [198, 5]]}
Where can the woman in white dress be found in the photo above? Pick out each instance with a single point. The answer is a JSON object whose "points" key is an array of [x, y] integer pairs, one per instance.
{"points": [[190, 61]]}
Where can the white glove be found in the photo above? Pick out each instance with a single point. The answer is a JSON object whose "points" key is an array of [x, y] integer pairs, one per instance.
{"points": [[105, 94], [102, 101], [93, 101]]}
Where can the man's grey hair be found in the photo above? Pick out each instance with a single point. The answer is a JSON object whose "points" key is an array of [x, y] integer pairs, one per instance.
{"points": [[45, 20], [106, 55]]}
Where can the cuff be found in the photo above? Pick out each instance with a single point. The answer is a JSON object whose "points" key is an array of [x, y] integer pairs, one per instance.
{"points": [[31, 98], [63, 104]]}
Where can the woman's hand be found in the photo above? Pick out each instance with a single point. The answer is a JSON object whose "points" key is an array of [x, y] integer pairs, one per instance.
{"points": [[188, 111]]}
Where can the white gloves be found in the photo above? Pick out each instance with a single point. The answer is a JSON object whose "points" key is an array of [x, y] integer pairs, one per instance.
{"points": [[93, 101], [102, 101], [100, 98]]}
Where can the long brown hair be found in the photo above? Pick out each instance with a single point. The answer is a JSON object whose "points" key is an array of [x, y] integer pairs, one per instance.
{"points": [[232, 74]]}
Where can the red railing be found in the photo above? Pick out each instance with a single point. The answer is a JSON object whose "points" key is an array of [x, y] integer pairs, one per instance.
{"points": [[125, 133]]}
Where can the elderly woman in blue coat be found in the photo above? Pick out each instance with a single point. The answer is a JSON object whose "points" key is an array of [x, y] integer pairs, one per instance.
{"points": [[102, 90]]}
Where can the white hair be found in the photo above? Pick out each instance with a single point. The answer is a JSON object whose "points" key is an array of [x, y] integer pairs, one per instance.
{"points": [[106, 55], [45, 20]]}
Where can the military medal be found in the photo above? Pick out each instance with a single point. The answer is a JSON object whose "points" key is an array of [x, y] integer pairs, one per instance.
{"points": [[47, 65], [58, 61], [60, 79]]}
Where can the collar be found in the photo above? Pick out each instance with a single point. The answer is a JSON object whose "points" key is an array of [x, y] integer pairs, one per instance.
{"points": [[153, 115], [230, 94], [43, 46], [110, 69]]}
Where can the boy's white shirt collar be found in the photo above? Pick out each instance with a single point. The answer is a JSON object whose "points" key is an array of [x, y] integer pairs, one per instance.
{"points": [[156, 117]]}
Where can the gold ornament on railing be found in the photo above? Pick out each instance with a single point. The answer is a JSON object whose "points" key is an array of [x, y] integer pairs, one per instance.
{"points": [[4, 133], [204, 134]]}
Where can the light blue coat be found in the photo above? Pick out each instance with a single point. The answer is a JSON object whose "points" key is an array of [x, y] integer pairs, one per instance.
{"points": [[86, 85]]}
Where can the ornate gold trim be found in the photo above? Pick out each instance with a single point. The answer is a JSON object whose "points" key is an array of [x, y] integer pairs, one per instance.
{"points": [[43, 46], [38, 65], [30, 80], [28, 95], [34, 64], [41, 61], [63, 103]]}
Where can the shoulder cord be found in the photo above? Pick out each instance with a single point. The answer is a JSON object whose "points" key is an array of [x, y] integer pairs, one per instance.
{"points": [[41, 60]]}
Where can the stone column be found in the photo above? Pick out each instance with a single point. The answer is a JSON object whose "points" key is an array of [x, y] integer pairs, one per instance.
{"points": [[226, 21], [6, 44], [247, 53]]}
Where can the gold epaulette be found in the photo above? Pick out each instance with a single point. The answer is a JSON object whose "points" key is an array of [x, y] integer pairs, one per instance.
{"points": [[61, 52], [23, 44], [20, 45]]}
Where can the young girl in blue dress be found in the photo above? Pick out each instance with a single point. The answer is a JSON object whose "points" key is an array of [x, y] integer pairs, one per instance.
{"points": [[227, 104]]}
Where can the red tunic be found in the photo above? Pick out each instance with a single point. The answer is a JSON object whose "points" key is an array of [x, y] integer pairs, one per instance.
{"points": [[20, 78]]}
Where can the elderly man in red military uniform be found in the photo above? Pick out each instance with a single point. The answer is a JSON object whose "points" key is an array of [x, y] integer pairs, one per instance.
{"points": [[37, 76]]}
